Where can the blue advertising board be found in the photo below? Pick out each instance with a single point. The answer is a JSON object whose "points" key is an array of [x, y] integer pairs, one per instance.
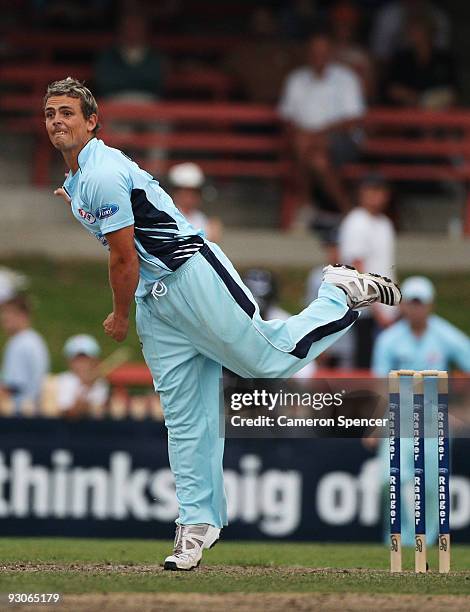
{"points": [[106, 478]]}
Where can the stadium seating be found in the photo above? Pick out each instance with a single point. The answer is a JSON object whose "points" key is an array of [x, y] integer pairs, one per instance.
{"points": [[417, 146], [232, 140]]}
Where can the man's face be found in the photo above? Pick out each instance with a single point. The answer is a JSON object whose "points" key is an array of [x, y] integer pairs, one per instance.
{"points": [[66, 126], [187, 198], [84, 367], [11, 319], [416, 312], [319, 53]]}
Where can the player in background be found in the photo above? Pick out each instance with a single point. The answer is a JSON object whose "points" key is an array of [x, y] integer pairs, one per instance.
{"points": [[194, 313], [421, 340]]}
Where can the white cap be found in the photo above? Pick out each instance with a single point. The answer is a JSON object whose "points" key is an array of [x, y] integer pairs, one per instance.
{"points": [[81, 345], [187, 175], [7, 290], [10, 284], [418, 288]]}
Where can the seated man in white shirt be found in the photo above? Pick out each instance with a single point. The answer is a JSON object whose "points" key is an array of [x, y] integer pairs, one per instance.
{"points": [[81, 389], [322, 105]]}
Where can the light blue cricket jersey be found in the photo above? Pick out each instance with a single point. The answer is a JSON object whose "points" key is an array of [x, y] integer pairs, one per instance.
{"points": [[110, 191], [398, 348]]}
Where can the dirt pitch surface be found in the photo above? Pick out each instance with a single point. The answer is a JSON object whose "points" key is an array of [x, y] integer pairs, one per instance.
{"points": [[241, 602], [238, 602]]}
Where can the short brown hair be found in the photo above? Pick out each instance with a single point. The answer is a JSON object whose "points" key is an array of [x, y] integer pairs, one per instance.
{"points": [[74, 89]]}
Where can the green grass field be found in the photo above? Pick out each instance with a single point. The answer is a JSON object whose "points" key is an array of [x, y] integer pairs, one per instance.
{"points": [[81, 566], [74, 297]]}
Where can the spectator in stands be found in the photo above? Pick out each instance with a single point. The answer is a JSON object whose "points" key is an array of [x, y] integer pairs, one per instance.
{"points": [[345, 20], [69, 15], [131, 70], [81, 390], [260, 62], [367, 241], [422, 74], [391, 21], [322, 105], [421, 340], [297, 18], [187, 181], [25, 358], [11, 283]]}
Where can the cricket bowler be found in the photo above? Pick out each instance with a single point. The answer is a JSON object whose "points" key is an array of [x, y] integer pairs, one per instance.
{"points": [[194, 314]]}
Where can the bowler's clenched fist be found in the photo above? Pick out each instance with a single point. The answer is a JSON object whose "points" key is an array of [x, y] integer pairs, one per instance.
{"points": [[116, 327]]}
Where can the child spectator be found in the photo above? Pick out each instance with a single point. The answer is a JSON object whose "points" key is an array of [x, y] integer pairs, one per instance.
{"points": [[186, 181], [81, 389], [367, 241]]}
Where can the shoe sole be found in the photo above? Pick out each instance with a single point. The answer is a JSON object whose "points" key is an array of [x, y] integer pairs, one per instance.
{"points": [[172, 567]]}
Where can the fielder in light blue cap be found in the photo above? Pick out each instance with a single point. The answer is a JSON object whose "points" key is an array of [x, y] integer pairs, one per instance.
{"points": [[419, 341], [194, 314]]}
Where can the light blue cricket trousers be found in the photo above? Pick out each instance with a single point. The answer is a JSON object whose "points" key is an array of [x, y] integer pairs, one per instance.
{"points": [[203, 319]]}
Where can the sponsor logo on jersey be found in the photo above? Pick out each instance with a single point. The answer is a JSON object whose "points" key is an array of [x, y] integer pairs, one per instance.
{"points": [[106, 211], [87, 216]]}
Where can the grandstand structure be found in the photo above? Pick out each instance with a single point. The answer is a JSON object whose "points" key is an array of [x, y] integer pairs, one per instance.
{"points": [[205, 117]]}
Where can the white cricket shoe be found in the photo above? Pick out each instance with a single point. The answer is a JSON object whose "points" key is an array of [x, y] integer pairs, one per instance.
{"points": [[190, 541], [362, 289]]}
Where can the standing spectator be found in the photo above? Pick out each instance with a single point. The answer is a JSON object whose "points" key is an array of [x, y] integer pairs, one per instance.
{"points": [[25, 357], [422, 74], [261, 60], [187, 180], [390, 25], [322, 105], [131, 70], [419, 341], [81, 389], [341, 354], [367, 241]]}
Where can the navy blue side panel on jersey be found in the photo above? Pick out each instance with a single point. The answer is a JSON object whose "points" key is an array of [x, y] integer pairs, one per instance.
{"points": [[157, 232]]}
